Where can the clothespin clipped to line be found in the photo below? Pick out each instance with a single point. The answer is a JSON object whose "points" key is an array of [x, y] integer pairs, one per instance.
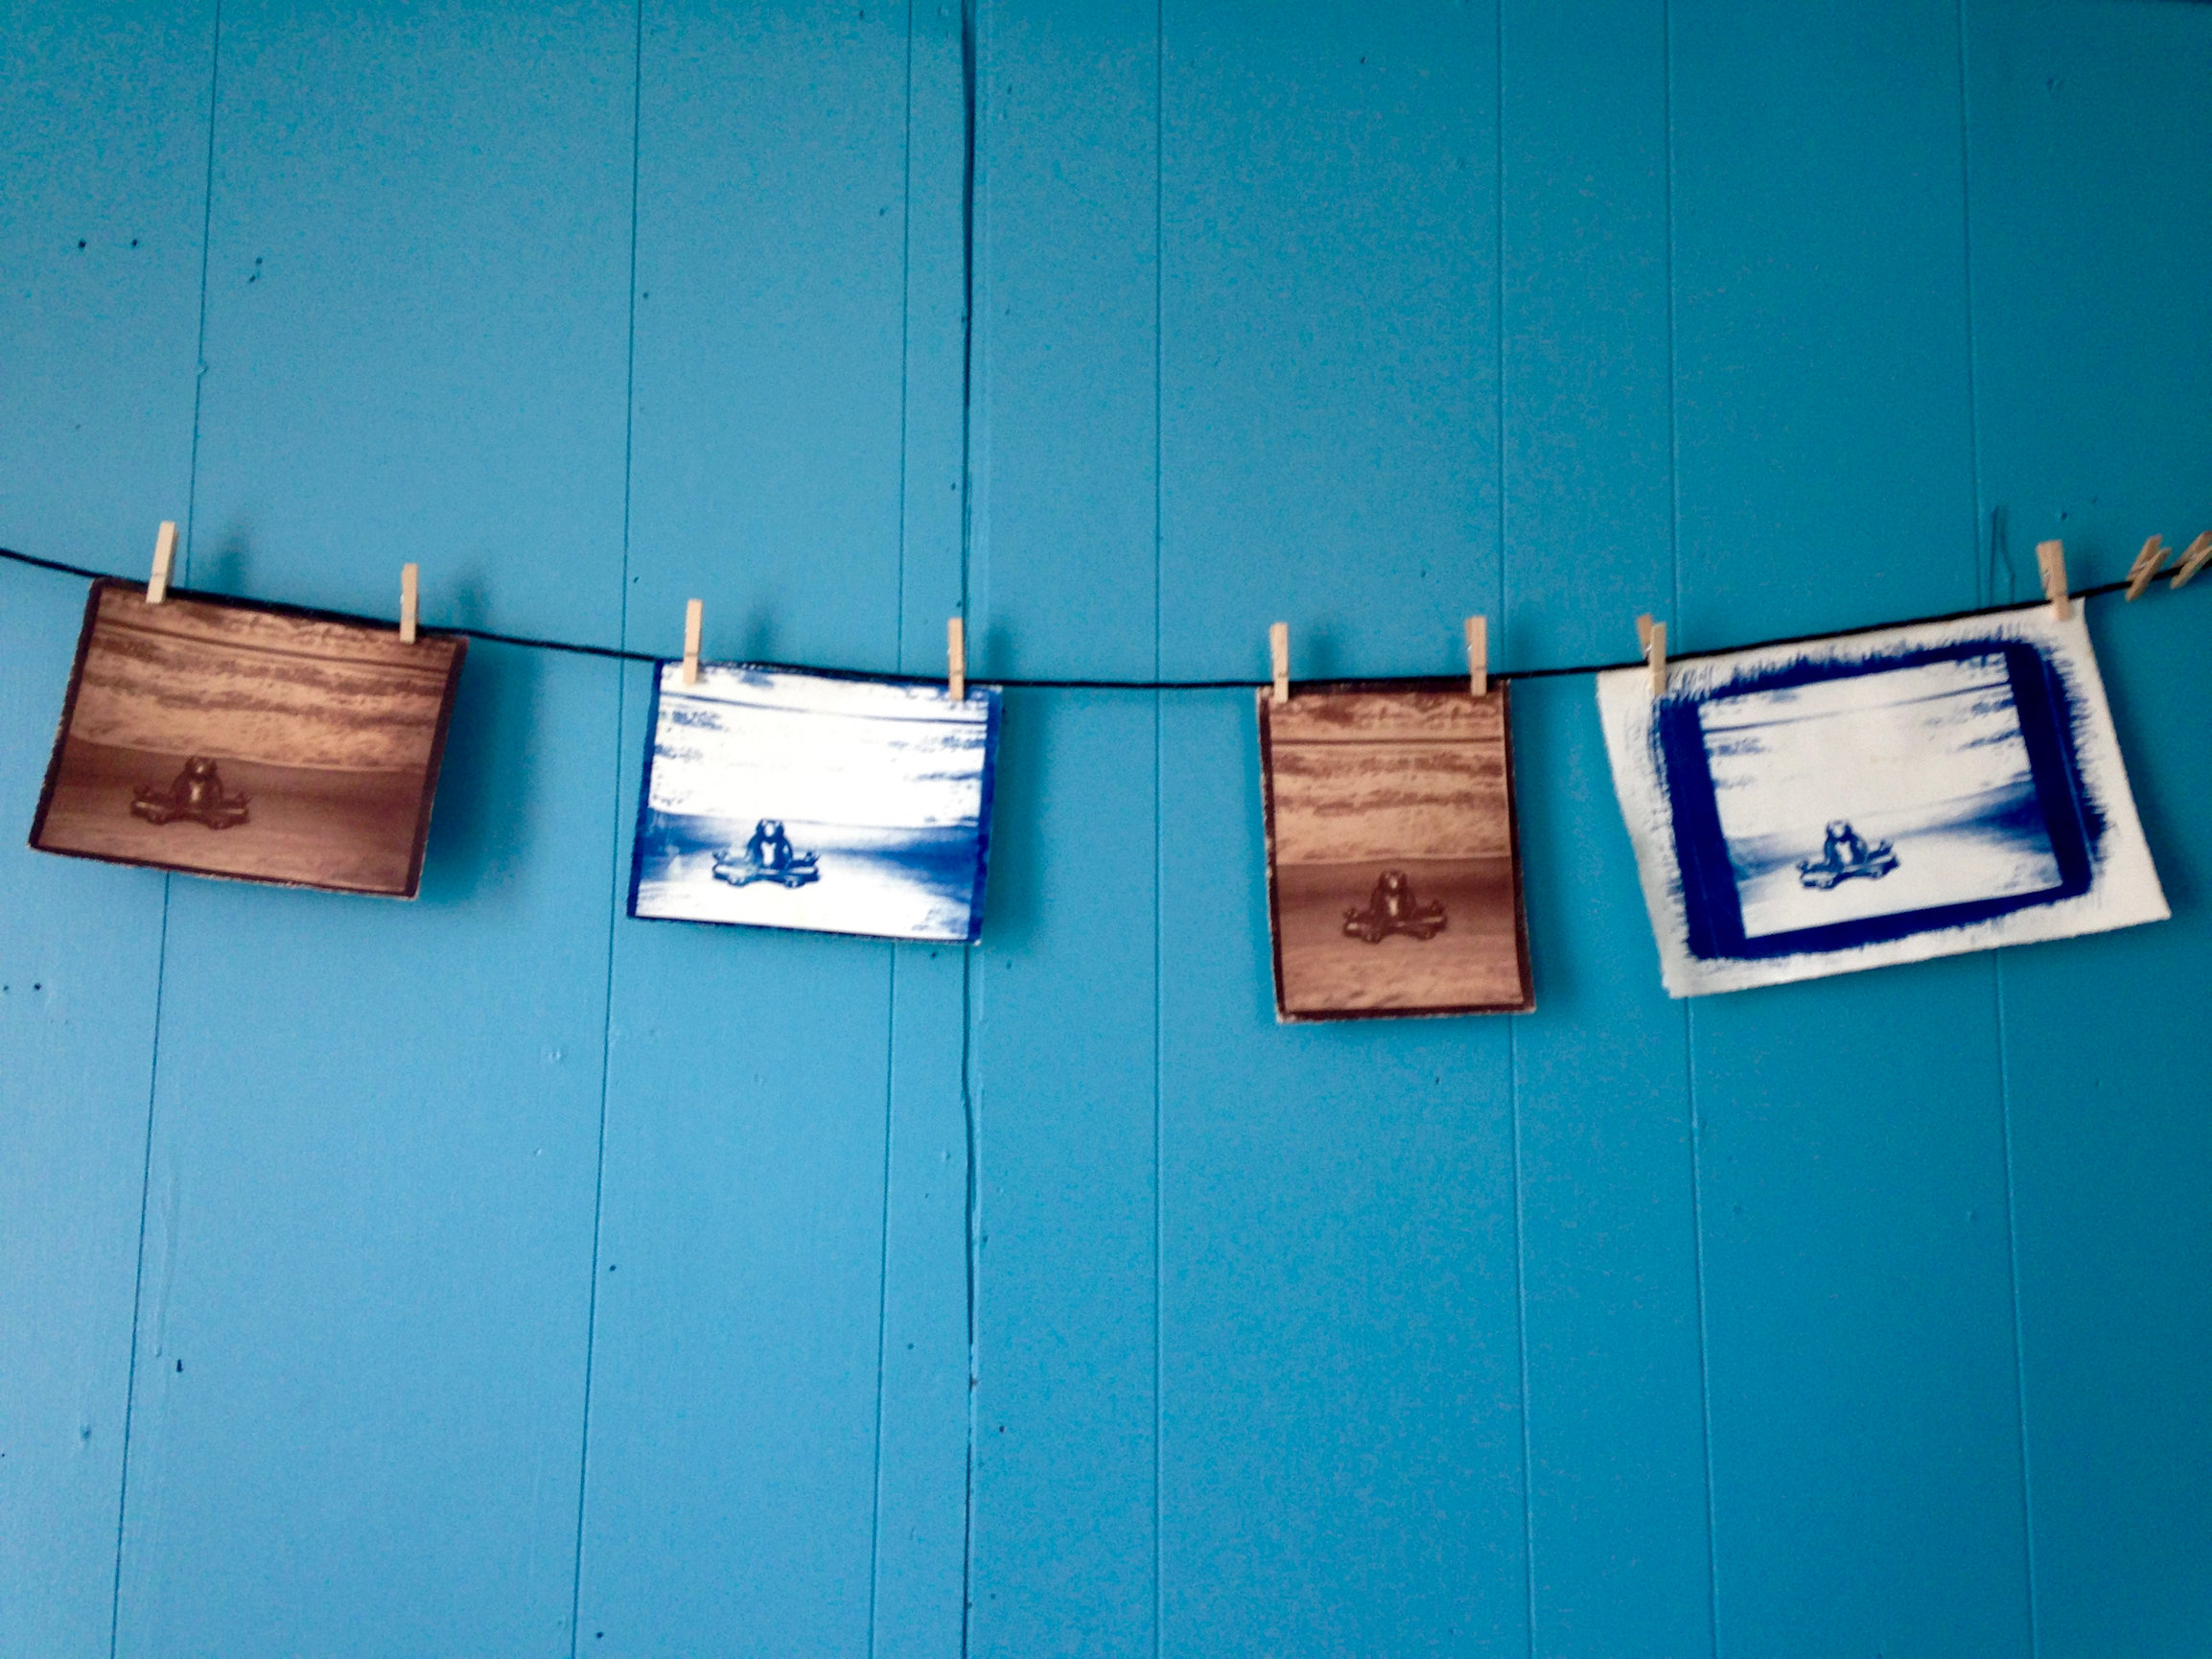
{"points": [[2146, 566], [164, 555], [1478, 656], [2193, 558], [956, 658], [2051, 560], [1652, 637], [694, 615], [409, 595], [1279, 651]]}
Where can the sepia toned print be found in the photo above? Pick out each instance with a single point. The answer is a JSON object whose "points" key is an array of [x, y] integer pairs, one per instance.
{"points": [[1393, 878], [237, 740]]}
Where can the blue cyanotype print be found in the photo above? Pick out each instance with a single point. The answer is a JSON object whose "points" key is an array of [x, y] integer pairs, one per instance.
{"points": [[1876, 798], [775, 799]]}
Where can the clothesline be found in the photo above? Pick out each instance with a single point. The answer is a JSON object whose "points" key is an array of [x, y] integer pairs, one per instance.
{"points": [[613, 653]]}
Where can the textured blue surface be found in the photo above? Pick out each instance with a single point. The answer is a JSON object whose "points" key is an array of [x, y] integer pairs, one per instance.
{"points": [[496, 1275]]}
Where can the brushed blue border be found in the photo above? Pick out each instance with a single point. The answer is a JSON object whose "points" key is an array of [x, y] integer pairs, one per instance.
{"points": [[1712, 910]]}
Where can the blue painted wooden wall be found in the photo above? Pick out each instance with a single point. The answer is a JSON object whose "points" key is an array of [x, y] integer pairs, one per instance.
{"points": [[495, 1276]]}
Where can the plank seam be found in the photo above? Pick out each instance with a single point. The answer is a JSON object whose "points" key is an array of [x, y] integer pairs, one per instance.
{"points": [[1985, 572], [1512, 1024], [138, 1277], [200, 339], [615, 884], [891, 989], [883, 1282], [1985, 590], [1159, 998], [1689, 1012], [969, 1115], [1521, 1331], [161, 944], [2019, 1345]]}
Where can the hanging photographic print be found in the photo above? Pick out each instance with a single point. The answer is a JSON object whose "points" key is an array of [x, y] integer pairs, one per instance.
{"points": [[775, 799], [1808, 810], [247, 742], [1393, 878]]}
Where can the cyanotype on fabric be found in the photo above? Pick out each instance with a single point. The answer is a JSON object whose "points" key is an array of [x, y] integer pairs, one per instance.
{"points": [[1393, 874], [1807, 810], [249, 741], [775, 799]]}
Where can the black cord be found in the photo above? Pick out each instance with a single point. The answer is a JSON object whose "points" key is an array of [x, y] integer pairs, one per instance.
{"points": [[613, 654]]}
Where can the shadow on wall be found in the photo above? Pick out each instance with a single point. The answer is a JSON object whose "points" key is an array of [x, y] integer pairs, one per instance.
{"points": [[1012, 869], [482, 822]]}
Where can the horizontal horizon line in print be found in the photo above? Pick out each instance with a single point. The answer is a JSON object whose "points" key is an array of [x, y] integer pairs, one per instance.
{"points": [[221, 738], [1929, 761], [779, 799], [1876, 798], [1393, 884], [156, 670]]}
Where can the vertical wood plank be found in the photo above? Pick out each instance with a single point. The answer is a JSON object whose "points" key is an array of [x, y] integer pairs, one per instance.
{"points": [[105, 108], [1588, 460], [932, 502], [1329, 455], [1329, 316], [1857, 1288], [2110, 1158], [1063, 574], [729, 1486], [2090, 195], [2092, 218], [1621, 1557], [80, 966], [1062, 568], [922, 1488], [1617, 1491], [1340, 1426], [362, 1347], [1821, 384], [732, 1485], [1062, 1068], [417, 322], [771, 248]]}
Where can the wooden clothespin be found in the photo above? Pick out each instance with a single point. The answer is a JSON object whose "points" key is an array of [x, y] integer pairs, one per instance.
{"points": [[1279, 651], [2051, 560], [1478, 656], [1652, 637], [409, 592], [694, 615], [956, 657], [2146, 566], [2193, 558], [164, 555]]}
